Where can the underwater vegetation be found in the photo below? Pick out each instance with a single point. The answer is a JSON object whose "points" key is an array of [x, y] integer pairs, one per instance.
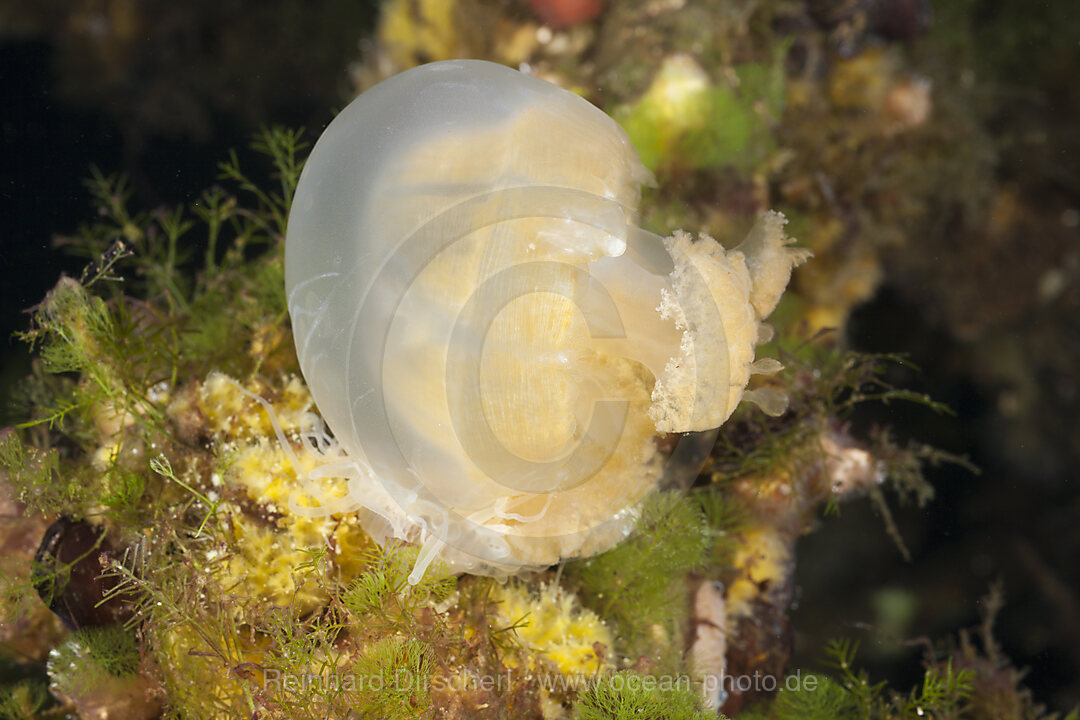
{"points": [[222, 602], [192, 524]]}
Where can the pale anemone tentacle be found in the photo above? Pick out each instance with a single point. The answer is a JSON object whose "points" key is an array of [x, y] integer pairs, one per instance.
{"points": [[492, 339]]}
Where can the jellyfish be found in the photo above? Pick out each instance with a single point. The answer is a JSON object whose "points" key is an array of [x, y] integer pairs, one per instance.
{"points": [[491, 338]]}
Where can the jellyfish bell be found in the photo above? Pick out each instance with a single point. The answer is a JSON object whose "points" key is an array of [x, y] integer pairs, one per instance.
{"points": [[489, 335]]}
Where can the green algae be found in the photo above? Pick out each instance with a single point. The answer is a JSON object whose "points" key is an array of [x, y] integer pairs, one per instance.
{"points": [[684, 121]]}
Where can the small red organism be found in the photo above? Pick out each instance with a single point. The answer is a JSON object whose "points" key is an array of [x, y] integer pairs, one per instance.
{"points": [[562, 13]]}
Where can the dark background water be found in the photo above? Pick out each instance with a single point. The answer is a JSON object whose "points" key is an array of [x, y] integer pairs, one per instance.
{"points": [[164, 102]]}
